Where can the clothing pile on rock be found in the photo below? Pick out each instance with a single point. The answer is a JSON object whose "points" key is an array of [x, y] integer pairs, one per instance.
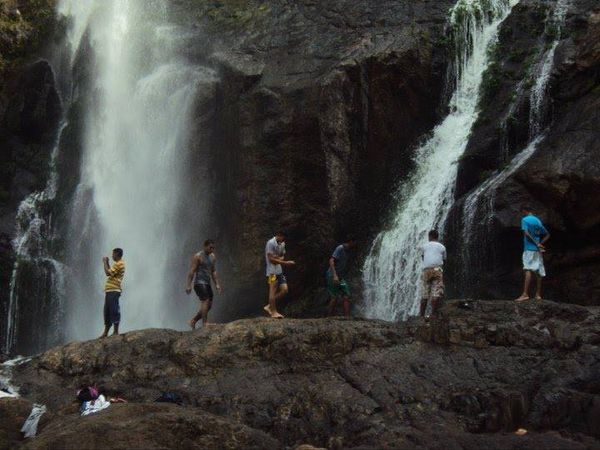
{"points": [[170, 397], [29, 428], [91, 401]]}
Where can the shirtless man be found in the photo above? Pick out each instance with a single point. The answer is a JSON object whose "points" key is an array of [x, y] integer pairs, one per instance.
{"points": [[202, 270]]}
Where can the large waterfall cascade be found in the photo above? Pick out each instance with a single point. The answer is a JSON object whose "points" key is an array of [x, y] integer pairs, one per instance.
{"points": [[135, 169], [135, 164], [391, 273], [479, 205]]}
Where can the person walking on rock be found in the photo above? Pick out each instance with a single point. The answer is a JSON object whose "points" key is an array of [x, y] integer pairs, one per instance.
{"points": [[434, 255], [535, 236], [112, 291], [336, 284], [202, 270], [275, 258]]}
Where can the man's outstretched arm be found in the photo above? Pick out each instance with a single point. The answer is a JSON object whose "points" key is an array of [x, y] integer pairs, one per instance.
{"points": [[277, 260]]}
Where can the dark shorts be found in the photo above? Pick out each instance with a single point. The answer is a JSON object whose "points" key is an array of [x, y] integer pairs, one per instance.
{"points": [[279, 279], [340, 289], [203, 291], [112, 310]]}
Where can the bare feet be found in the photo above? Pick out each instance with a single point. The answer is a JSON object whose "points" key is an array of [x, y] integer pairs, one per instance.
{"points": [[538, 298], [268, 310], [522, 298], [102, 336], [276, 315], [192, 324]]}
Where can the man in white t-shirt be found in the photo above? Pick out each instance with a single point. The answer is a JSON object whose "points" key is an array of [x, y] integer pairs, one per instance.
{"points": [[434, 255], [275, 258]]}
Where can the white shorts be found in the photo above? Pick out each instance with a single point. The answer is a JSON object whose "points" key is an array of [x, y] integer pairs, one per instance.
{"points": [[534, 262]]}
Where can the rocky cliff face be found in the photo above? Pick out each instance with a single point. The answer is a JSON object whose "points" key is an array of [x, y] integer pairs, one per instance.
{"points": [[466, 380], [30, 110], [315, 117], [559, 178]]}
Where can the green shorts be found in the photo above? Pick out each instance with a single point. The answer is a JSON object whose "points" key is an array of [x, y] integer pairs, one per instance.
{"points": [[337, 290]]}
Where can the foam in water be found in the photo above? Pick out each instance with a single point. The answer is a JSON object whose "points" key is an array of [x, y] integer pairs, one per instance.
{"points": [[136, 153], [393, 267]]}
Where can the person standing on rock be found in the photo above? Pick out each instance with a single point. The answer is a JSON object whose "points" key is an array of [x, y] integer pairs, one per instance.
{"points": [[336, 284], [202, 270], [112, 291], [434, 255], [535, 236], [275, 258]]}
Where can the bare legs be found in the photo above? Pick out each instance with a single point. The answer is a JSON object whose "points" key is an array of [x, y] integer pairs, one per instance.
{"points": [[526, 283], [333, 304], [202, 314], [276, 292], [107, 329], [538, 288], [435, 304]]}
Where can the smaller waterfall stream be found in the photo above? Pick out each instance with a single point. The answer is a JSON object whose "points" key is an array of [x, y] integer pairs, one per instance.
{"points": [[32, 247], [480, 204], [392, 269]]}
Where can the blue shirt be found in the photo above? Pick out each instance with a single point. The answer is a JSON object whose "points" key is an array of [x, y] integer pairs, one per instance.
{"points": [[340, 255], [535, 228]]}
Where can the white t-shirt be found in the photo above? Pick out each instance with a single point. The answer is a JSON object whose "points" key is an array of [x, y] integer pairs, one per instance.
{"points": [[434, 255], [276, 250]]}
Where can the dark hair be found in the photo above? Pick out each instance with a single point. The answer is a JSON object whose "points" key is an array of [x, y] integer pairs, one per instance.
{"points": [[280, 233], [433, 234], [350, 238], [209, 242], [526, 208], [118, 251]]}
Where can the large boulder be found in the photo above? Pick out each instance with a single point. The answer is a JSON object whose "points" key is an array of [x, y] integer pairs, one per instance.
{"points": [[465, 380]]}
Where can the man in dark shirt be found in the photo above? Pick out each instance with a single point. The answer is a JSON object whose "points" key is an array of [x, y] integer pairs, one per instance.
{"points": [[336, 285]]}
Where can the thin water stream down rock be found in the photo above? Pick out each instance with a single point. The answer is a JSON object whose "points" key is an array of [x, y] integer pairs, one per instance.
{"points": [[466, 380]]}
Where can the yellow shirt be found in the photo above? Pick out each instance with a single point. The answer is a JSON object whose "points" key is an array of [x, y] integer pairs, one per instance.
{"points": [[114, 280]]}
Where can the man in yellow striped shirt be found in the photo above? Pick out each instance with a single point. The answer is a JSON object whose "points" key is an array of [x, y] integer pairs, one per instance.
{"points": [[112, 289]]}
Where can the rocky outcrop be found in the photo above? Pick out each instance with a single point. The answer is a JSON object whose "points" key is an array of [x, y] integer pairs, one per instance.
{"points": [[468, 379], [30, 109], [557, 180]]}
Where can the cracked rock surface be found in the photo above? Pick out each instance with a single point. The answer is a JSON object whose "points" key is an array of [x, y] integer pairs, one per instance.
{"points": [[467, 379]]}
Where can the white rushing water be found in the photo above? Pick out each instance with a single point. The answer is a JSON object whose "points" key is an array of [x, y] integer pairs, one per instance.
{"points": [[479, 205], [393, 267], [33, 235], [136, 152]]}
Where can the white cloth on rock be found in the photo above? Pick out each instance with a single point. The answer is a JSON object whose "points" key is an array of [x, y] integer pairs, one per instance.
{"points": [[29, 428], [93, 406]]}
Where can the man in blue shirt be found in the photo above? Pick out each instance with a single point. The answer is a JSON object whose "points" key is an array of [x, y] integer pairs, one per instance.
{"points": [[336, 285], [535, 236]]}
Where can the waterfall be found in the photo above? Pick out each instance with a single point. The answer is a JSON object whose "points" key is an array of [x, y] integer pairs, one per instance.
{"points": [[31, 245], [135, 164], [391, 273], [479, 205]]}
